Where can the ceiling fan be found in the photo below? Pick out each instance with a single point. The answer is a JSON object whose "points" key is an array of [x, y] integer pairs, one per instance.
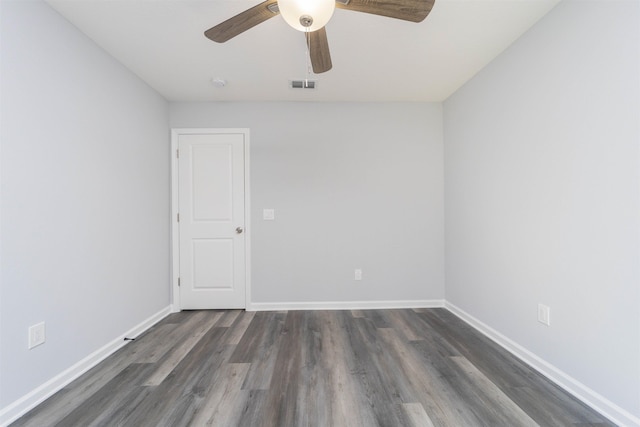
{"points": [[310, 16]]}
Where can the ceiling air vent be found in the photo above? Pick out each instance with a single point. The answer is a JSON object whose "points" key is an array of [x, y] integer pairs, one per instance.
{"points": [[303, 84]]}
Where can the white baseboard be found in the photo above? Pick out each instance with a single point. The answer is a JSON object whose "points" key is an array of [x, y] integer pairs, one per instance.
{"points": [[344, 305], [599, 403], [30, 400]]}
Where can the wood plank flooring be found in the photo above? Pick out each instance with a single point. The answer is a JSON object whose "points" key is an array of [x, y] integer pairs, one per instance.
{"points": [[422, 367]]}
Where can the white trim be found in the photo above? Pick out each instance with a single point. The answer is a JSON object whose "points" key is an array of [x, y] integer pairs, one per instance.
{"points": [[247, 220], [30, 400], [594, 400], [175, 235], [344, 305]]}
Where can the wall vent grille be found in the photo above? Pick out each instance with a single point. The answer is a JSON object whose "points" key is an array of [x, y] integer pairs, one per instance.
{"points": [[303, 84]]}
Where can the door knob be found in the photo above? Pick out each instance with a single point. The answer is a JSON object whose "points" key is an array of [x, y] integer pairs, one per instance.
{"points": [[239, 230]]}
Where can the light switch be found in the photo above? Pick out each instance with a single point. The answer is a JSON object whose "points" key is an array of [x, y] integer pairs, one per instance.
{"points": [[268, 214]]}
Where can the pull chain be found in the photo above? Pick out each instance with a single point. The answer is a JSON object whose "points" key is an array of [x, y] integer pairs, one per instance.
{"points": [[307, 35]]}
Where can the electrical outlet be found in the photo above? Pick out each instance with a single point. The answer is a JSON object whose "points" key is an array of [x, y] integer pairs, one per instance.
{"points": [[268, 214], [358, 274], [36, 335], [544, 314]]}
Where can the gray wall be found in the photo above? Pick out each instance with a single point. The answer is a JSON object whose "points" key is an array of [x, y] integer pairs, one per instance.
{"points": [[542, 194], [85, 197], [352, 185]]}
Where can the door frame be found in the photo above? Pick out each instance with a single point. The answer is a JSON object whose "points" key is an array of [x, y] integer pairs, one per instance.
{"points": [[175, 229]]}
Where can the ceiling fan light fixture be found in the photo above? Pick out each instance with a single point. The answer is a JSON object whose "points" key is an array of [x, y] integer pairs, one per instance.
{"points": [[307, 15]]}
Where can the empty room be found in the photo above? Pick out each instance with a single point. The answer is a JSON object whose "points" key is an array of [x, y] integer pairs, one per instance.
{"points": [[428, 213]]}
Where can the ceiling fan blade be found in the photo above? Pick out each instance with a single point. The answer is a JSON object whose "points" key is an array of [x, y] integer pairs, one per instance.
{"points": [[319, 51], [407, 10], [243, 21]]}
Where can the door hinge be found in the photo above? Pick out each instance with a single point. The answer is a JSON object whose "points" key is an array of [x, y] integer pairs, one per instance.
{"points": [[177, 154], [178, 217], [178, 281]]}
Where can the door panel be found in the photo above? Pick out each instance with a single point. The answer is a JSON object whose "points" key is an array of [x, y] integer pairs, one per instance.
{"points": [[211, 179], [212, 264], [211, 205]]}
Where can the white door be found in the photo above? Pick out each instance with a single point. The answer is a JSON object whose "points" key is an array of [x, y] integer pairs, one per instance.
{"points": [[212, 220]]}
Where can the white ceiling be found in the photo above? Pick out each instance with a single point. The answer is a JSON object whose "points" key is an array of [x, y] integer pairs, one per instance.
{"points": [[374, 58]]}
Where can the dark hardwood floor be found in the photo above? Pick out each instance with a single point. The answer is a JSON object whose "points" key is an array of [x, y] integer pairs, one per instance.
{"points": [[368, 368]]}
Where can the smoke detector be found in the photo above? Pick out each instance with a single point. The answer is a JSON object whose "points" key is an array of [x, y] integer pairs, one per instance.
{"points": [[218, 82]]}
